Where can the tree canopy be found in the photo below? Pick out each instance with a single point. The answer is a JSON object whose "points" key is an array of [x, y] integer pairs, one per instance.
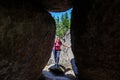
{"points": [[62, 25]]}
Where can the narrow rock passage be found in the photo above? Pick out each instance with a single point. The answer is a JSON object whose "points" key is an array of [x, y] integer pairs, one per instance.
{"points": [[66, 68]]}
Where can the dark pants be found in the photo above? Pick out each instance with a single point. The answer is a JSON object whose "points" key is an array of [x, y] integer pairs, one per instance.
{"points": [[56, 54]]}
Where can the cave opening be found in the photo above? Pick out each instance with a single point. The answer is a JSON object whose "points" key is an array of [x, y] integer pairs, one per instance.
{"points": [[66, 63]]}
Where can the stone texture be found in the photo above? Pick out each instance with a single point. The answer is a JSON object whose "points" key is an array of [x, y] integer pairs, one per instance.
{"points": [[26, 40], [50, 5], [95, 31], [57, 5], [26, 30]]}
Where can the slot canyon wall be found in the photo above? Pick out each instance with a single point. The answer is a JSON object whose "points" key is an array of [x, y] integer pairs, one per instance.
{"points": [[95, 33], [26, 28]]}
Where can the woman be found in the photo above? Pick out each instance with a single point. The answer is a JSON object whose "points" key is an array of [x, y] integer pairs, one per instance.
{"points": [[57, 49]]}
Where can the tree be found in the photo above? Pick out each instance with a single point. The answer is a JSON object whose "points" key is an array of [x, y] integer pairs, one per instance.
{"points": [[66, 20], [62, 25]]}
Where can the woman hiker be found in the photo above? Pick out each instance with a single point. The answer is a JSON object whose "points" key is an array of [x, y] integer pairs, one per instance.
{"points": [[57, 49]]}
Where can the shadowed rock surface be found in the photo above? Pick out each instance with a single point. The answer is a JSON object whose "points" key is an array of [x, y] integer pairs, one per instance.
{"points": [[58, 70], [52, 72], [26, 29], [24, 35], [95, 31], [49, 5]]}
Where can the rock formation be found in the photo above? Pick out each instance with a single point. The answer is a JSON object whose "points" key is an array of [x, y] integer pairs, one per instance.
{"points": [[27, 33], [95, 31], [53, 5], [26, 28]]}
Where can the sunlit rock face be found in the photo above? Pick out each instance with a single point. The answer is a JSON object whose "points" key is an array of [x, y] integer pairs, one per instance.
{"points": [[26, 40], [95, 31]]}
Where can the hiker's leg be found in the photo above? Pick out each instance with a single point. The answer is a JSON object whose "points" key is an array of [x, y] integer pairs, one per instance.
{"points": [[58, 56], [55, 56]]}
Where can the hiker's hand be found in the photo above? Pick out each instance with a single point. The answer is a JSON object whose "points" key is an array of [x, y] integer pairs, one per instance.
{"points": [[69, 46]]}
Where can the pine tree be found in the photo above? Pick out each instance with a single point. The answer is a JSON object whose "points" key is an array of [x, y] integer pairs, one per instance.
{"points": [[62, 24]]}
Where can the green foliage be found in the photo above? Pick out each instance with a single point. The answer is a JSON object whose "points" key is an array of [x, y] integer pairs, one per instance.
{"points": [[62, 25]]}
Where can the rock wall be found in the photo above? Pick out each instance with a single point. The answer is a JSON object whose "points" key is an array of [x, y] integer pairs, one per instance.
{"points": [[26, 40], [53, 5], [95, 31], [26, 30]]}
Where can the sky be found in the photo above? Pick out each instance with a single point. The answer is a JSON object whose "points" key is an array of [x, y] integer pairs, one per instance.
{"points": [[59, 14]]}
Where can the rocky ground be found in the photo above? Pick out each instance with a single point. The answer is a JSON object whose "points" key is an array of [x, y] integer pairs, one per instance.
{"points": [[68, 73]]}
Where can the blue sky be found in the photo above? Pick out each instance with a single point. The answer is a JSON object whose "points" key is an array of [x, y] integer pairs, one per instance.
{"points": [[59, 14]]}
